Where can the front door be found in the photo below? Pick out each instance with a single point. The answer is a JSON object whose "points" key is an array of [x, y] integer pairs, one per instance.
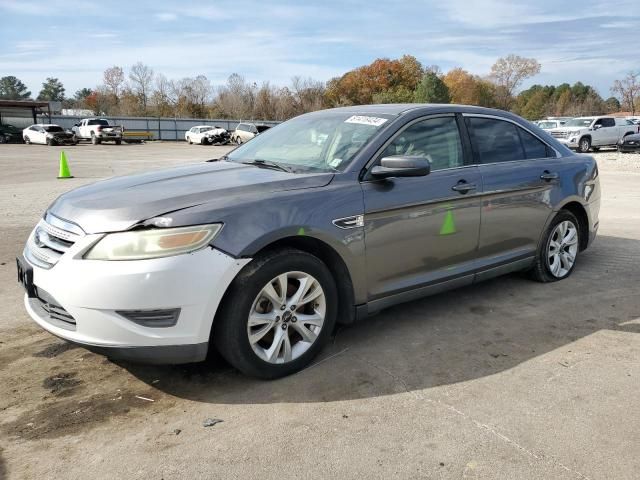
{"points": [[423, 230]]}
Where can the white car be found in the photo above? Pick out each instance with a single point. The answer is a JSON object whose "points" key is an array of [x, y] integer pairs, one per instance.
{"points": [[48, 134], [246, 131], [585, 133], [198, 134]]}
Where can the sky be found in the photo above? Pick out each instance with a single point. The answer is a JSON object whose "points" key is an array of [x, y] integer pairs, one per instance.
{"points": [[590, 41]]}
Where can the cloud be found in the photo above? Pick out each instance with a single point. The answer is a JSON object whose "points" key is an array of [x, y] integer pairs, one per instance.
{"points": [[166, 16]]}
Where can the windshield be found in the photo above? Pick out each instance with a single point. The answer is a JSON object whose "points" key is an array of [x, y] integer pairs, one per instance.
{"points": [[579, 122], [53, 128], [546, 125], [325, 141]]}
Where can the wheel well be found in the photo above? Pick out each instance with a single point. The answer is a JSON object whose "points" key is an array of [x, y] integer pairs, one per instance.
{"points": [[583, 220], [335, 264], [586, 136]]}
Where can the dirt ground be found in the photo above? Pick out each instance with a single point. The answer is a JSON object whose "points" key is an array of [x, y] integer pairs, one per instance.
{"points": [[508, 379]]}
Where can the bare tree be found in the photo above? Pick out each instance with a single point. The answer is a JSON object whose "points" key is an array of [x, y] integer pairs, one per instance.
{"points": [[629, 90], [141, 77], [114, 79], [508, 73], [308, 94]]}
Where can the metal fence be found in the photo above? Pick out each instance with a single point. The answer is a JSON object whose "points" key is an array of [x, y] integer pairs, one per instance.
{"points": [[161, 128]]}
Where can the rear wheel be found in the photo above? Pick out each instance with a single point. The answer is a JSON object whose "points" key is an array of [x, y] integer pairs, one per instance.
{"points": [[118, 142], [277, 314], [584, 145], [204, 141], [559, 249], [94, 140]]}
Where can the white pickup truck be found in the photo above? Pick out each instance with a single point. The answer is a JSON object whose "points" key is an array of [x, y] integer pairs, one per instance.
{"points": [[586, 133], [97, 130]]}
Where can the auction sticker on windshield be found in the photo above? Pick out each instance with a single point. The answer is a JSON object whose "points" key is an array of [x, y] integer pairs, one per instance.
{"points": [[364, 120]]}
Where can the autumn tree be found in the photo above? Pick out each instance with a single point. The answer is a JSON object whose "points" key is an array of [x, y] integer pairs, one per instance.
{"points": [[52, 90], [383, 78], [612, 104], [508, 73], [141, 77], [432, 89], [11, 88], [468, 89], [628, 89]]}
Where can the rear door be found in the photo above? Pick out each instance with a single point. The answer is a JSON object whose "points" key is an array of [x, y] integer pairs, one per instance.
{"points": [[520, 176], [421, 231]]}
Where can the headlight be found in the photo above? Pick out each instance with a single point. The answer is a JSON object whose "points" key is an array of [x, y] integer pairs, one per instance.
{"points": [[152, 243]]}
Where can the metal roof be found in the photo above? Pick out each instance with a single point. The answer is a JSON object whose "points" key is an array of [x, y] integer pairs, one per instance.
{"points": [[22, 104]]}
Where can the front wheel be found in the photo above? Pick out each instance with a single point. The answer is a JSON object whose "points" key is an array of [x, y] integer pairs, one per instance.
{"points": [[559, 249], [277, 314], [118, 142], [584, 145], [27, 140]]}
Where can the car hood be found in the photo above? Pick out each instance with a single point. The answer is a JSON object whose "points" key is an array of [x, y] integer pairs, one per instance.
{"points": [[119, 203]]}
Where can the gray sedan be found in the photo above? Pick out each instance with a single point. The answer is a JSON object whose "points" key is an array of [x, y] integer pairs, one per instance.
{"points": [[324, 219]]}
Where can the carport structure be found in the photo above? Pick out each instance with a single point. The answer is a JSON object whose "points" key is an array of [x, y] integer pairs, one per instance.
{"points": [[22, 113]]}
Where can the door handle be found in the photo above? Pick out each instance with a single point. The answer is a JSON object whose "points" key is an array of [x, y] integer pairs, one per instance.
{"points": [[463, 187], [547, 176]]}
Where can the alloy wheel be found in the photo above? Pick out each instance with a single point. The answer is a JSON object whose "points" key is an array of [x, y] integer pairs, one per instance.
{"points": [[563, 248], [286, 317]]}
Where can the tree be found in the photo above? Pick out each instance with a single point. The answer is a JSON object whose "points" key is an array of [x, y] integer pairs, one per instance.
{"points": [[612, 104], [12, 88], [52, 90], [468, 89], [432, 89], [508, 73], [113, 79], [82, 94], [141, 77], [629, 90], [383, 78]]}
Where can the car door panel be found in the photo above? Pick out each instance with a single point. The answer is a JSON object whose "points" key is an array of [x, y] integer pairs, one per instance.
{"points": [[423, 230], [521, 179], [431, 230]]}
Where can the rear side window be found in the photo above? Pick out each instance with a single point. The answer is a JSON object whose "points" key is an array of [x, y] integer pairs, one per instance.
{"points": [[533, 148], [495, 140]]}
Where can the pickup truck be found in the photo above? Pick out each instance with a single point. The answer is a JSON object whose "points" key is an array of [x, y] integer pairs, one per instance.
{"points": [[97, 130], [586, 133]]}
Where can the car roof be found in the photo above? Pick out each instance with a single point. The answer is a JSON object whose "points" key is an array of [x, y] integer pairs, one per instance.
{"points": [[402, 108], [45, 125]]}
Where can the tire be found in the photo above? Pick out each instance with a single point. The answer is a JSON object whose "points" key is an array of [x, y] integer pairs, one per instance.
{"points": [[118, 142], [189, 140], [3, 139], [238, 140], [204, 141], [230, 333], [27, 140], [50, 142], [584, 145], [543, 269], [94, 140]]}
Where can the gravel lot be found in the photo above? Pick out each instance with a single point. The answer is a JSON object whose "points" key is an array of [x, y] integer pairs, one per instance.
{"points": [[508, 379]]}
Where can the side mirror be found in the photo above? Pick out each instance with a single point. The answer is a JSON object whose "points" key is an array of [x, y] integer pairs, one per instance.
{"points": [[76, 124], [597, 127], [399, 166]]}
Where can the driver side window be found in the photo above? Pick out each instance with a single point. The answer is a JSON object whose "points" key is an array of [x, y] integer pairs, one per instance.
{"points": [[435, 139]]}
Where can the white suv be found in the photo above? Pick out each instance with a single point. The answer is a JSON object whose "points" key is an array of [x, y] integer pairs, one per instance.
{"points": [[584, 133]]}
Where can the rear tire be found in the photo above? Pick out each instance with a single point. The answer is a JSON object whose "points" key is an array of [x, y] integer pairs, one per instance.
{"points": [[558, 251], [94, 140], [584, 145], [118, 142], [245, 298]]}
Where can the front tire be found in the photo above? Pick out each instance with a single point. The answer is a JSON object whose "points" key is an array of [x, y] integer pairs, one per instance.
{"points": [[118, 142], [27, 140], [584, 145], [558, 251], [277, 314]]}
